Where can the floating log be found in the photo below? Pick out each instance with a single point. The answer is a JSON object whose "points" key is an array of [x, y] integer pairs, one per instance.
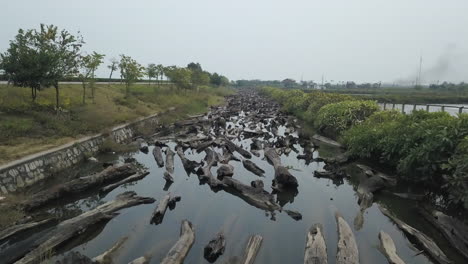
{"points": [[74, 258], [282, 176], [388, 249], [252, 167], [316, 249], [75, 226], [227, 156], [79, 185], [204, 173], [179, 251], [455, 231], [16, 229], [132, 178], [233, 147], [158, 214], [347, 252], [108, 256], [257, 197], [215, 248], [327, 140], [251, 250], [225, 170], [424, 241], [189, 165], [157, 153], [203, 145], [257, 184], [294, 214], [140, 260], [388, 180], [170, 160], [168, 177]]}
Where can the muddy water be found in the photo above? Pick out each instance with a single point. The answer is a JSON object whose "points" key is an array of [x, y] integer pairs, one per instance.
{"points": [[284, 238]]}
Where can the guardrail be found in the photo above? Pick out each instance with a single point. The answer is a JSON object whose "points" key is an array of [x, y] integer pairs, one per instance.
{"points": [[407, 108]]}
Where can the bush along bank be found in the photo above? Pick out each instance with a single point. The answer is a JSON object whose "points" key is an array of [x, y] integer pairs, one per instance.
{"points": [[424, 148]]}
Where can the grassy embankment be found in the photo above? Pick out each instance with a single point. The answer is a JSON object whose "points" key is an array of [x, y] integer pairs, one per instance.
{"points": [[408, 95], [425, 148], [27, 127]]}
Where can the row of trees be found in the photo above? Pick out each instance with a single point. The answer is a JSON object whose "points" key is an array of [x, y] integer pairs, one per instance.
{"points": [[41, 58]]}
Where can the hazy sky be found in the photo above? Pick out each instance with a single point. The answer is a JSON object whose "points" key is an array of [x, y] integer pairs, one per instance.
{"points": [[362, 40]]}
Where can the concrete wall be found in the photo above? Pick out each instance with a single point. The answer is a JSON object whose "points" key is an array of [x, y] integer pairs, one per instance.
{"points": [[31, 169]]}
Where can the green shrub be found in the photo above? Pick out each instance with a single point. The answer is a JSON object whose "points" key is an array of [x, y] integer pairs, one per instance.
{"points": [[332, 119], [457, 182]]}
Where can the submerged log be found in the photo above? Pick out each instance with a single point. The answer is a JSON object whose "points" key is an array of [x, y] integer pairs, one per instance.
{"points": [[215, 248], [282, 176], [189, 165], [225, 170], [388, 249], [252, 167], [179, 251], [233, 147], [75, 226], [79, 185], [134, 177], [316, 249], [16, 229], [294, 214], [347, 252], [141, 260], [74, 258], [326, 140], [168, 177], [158, 214], [204, 173], [251, 250], [157, 153], [455, 231], [108, 256], [255, 196], [424, 241], [170, 160]]}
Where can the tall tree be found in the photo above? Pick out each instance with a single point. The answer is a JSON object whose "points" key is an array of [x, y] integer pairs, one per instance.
{"points": [[131, 71], [160, 72], [181, 77], [113, 66], [151, 72], [89, 64]]}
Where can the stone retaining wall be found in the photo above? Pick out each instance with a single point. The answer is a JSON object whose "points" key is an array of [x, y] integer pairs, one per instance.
{"points": [[29, 170]]}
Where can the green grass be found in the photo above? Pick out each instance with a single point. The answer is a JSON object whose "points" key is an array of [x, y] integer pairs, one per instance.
{"points": [[27, 127]]}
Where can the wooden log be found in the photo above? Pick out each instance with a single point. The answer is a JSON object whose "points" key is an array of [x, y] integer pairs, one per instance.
{"points": [[455, 231], [227, 156], [347, 252], [170, 160], [326, 140], [108, 256], [215, 248], [132, 178], [79, 185], [158, 214], [168, 177], [233, 147], [157, 154], [316, 249], [257, 197], [189, 165], [251, 250], [179, 251], [282, 176], [74, 226], [17, 229], [141, 260], [423, 241], [388, 249], [294, 214], [225, 170], [73, 258], [252, 167], [204, 173]]}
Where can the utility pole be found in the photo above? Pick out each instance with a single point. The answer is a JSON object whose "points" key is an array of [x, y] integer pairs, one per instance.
{"points": [[418, 80]]}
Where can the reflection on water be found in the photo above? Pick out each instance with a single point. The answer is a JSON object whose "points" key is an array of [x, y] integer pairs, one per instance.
{"points": [[210, 212]]}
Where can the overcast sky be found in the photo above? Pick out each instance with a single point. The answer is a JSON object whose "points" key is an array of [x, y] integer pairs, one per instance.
{"points": [[361, 40]]}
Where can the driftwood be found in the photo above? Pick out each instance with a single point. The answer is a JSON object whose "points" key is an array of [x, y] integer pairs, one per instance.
{"points": [[132, 178], [282, 176], [157, 153], [74, 226], [251, 250], [170, 160], [294, 214], [204, 173], [252, 167], [215, 248], [388, 249], [108, 256], [158, 214], [140, 260], [326, 140], [257, 197], [424, 241], [74, 258], [79, 185], [203, 145], [347, 252], [189, 165], [227, 156], [179, 251], [225, 170], [455, 231], [168, 177], [388, 180], [16, 229], [316, 249], [233, 147]]}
